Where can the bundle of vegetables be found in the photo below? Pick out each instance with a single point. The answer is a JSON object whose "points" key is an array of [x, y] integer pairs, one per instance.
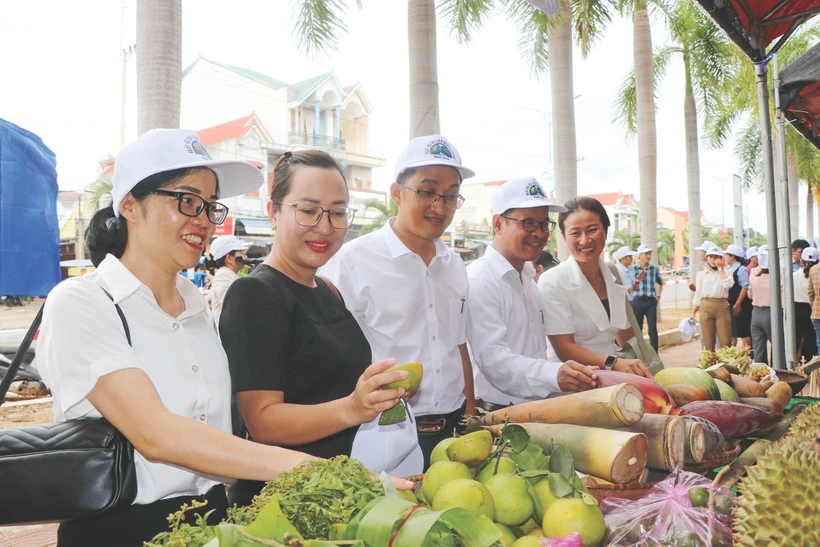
{"points": [[312, 497]]}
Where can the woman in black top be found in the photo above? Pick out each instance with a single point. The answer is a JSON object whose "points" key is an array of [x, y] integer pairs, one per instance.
{"points": [[300, 364]]}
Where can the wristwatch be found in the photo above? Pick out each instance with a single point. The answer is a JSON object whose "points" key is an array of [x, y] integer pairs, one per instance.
{"points": [[610, 360]]}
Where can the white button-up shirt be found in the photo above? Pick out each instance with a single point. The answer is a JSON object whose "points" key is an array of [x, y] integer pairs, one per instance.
{"points": [[82, 339], [223, 279], [408, 310], [708, 284], [573, 307], [506, 333]]}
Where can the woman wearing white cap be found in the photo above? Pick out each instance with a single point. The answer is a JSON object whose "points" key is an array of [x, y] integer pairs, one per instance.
{"points": [[300, 364], [751, 259], [739, 301], [759, 288], [711, 301], [806, 342], [163, 381], [227, 258], [587, 320]]}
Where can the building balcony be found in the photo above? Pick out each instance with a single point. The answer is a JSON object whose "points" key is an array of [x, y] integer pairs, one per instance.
{"points": [[321, 141]]}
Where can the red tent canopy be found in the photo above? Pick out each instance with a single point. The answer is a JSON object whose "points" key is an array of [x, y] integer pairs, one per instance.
{"points": [[800, 91], [754, 24]]}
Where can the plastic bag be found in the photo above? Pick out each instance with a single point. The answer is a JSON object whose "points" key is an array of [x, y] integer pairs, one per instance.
{"points": [[571, 540], [665, 516]]}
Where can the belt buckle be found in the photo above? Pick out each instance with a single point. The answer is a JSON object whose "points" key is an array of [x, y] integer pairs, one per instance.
{"points": [[430, 427]]}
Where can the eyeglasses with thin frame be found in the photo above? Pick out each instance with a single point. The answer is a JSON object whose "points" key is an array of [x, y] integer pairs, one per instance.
{"points": [[451, 201], [310, 215], [531, 225], [191, 205]]}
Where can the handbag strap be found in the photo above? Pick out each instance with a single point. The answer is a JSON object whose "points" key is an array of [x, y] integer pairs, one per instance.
{"points": [[330, 286], [29, 338]]}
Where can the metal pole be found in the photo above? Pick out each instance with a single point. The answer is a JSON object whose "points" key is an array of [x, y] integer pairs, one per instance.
{"points": [[738, 210], [771, 214], [788, 281]]}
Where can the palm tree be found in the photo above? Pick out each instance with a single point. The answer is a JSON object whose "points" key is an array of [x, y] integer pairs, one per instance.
{"points": [[386, 212], [159, 63], [707, 58], [621, 238], [666, 246], [98, 195]]}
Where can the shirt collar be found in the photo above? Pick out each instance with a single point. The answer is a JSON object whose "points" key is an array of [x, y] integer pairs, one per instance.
{"points": [[734, 266], [398, 248], [501, 266]]}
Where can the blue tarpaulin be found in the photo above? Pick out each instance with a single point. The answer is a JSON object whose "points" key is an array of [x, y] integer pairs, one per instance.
{"points": [[29, 231]]}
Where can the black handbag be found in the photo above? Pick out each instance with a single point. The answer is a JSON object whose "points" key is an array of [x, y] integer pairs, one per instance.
{"points": [[63, 470]]}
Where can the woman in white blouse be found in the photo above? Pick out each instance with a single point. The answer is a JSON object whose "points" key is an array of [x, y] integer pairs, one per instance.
{"points": [[168, 390], [587, 320], [711, 300]]}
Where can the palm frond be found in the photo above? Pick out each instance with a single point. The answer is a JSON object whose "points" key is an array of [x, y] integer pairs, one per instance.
{"points": [[385, 213], [747, 153], [466, 17], [317, 25], [625, 108], [98, 195], [534, 26], [590, 19]]}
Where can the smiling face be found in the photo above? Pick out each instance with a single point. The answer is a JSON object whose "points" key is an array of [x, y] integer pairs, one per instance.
{"points": [[516, 244], [585, 236], [418, 216], [303, 246], [158, 230]]}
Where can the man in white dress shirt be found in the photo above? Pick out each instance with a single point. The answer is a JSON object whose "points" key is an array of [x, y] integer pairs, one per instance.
{"points": [[408, 291], [623, 260], [506, 328]]}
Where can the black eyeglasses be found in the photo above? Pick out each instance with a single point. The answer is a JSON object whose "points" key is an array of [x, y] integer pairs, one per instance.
{"points": [[451, 201], [311, 215], [191, 205], [531, 225]]}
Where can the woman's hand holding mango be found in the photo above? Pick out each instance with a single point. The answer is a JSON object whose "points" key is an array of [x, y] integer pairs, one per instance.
{"points": [[369, 399]]}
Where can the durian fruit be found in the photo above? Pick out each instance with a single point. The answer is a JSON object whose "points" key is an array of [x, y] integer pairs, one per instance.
{"points": [[808, 419], [777, 500]]}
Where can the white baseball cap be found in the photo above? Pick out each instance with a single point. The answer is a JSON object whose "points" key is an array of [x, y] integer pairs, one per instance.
{"points": [[161, 150], [523, 193], [763, 257], [705, 246], [750, 252], [810, 254], [714, 251], [431, 150], [622, 252], [225, 244], [735, 250], [644, 248]]}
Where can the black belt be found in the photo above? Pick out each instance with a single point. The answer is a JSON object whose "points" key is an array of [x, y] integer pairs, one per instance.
{"points": [[433, 423], [488, 406], [646, 297]]}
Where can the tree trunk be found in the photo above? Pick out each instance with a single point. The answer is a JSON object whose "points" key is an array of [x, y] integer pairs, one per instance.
{"points": [[565, 161], [794, 204], [690, 116], [159, 63], [421, 38], [810, 215], [647, 141]]}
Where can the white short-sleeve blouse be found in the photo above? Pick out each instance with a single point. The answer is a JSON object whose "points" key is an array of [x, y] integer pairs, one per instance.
{"points": [[82, 339]]}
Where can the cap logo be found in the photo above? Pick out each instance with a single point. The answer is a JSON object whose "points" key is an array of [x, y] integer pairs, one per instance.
{"points": [[194, 146], [534, 190], [439, 148]]}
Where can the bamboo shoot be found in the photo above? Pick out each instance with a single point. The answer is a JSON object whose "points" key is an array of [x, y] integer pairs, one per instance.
{"points": [[613, 406], [613, 455], [695, 443], [667, 440]]}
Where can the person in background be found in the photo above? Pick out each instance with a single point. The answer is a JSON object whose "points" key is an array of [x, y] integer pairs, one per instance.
{"points": [[648, 296], [300, 365], [751, 259], [797, 253], [761, 299], [227, 257], [710, 301], [587, 320], [623, 261], [814, 299], [806, 341], [506, 331], [544, 262], [703, 247], [739, 301], [408, 290]]}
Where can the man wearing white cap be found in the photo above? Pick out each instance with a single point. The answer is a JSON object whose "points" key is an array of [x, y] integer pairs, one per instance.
{"points": [[703, 247], [408, 291], [227, 258], [623, 261], [506, 328], [648, 295]]}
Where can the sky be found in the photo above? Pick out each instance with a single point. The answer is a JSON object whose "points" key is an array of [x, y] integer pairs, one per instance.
{"points": [[62, 79]]}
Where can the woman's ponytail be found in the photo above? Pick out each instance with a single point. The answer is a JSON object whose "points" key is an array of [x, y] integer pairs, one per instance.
{"points": [[106, 234]]}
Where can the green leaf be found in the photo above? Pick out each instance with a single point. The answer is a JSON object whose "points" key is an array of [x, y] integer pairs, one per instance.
{"points": [[589, 499], [516, 436], [271, 523], [475, 529], [377, 526], [714, 367], [395, 415], [560, 486], [561, 462], [415, 530], [535, 473], [532, 457]]}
